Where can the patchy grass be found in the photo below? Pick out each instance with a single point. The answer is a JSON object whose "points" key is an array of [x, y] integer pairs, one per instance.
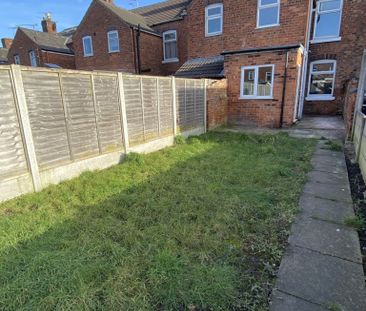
{"points": [[199, 226], [333, 146], [355, 222]]}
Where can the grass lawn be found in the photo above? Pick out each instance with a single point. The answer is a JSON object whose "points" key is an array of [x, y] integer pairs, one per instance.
{"points": [[199, 226]]}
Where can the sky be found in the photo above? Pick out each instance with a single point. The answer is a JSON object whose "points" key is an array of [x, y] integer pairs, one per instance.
{"points": [[66, 13]]}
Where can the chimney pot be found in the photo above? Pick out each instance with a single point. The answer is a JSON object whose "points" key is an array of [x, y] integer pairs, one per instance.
{"points": [[48, 25], [7, 42]]}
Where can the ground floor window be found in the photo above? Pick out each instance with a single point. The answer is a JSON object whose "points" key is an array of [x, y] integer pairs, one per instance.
{"points": [[321, 80], [257, 82]]}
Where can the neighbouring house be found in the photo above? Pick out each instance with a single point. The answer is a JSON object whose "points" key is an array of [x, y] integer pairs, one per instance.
{"points": [[47, 48], [3, 56], [148, 40]]}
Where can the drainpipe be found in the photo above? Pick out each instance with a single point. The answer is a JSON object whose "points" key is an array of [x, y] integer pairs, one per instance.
{"points": [[306, 60], [134, 49], [138, 49], [284, 90]]}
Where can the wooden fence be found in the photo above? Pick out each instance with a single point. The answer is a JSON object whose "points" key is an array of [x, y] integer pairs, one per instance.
{"points": [[358, 128], [56, 123]]}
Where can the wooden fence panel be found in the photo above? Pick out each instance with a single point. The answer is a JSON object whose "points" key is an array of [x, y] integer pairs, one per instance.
{"points": [[108, 112], [81, 115], [150, 103], [12, 155], [165, 94], [47, 118]]}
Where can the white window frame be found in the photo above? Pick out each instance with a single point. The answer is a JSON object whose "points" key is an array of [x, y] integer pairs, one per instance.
{"points": [[109, 33], [174, 59], [91, 45], [328, 38], [320, 97], [17, 59], [267, 6], [207, 18], [256, 71], [32, 58]]}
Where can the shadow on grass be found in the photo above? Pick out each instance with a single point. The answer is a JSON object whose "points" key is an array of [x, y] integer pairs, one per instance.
{"points": [[201, 226]]}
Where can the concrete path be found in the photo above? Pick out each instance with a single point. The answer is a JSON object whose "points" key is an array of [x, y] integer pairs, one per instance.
{"points": [[322, 267]]}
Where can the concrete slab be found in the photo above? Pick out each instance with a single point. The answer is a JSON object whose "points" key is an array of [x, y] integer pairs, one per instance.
{"points": [[325, 209], [328, 178], [283, 302], [321, 150], [337, 161], [329, 165], [326, 238], [334, 192], [322, 279], [321, 123]]}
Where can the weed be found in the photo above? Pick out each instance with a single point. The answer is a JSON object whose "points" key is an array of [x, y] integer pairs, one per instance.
{"points": [[355, 222], [180, 140], [334, 146]]}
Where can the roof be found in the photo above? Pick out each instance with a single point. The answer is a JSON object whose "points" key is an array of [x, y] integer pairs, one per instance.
{"points": [[48, 41], [203, 67], [3, 55], [163, 12], [129, 17]]}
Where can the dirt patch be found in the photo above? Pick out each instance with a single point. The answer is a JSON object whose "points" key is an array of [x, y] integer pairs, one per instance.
{"points": [[358, 191]]}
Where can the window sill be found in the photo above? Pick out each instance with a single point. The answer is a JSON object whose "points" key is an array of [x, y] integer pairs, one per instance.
{"points": [[256, 97], [207, 35], [320, 98], [168, 61], [267, 26], [113, 52], [325, 40], [88, 55]]}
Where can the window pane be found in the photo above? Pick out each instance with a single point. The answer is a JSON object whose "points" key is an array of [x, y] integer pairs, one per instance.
{"points": [[321, 84], [264, 81], [87, 46], [170, 50], [266, 2], [170, 36], [248, 87], [330, 5], [214, 25], [323, 67], [213, 11], [113, 41], [268, 16], [328, 25]]}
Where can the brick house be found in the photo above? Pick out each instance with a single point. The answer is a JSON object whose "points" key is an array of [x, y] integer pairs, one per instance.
{"points": [[45, 48], [112, 38]]}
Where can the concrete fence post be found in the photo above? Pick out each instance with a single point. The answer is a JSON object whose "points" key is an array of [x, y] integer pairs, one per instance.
{"points": [[122, 103], [205, 105], [26, 126], [359, 145], [174, 107]]}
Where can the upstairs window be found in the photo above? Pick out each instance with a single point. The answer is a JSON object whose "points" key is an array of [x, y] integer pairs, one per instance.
{"points": [[321, 80], [88, 46], [170, 46], [32, 58], [113, 41], [257, 82], [17, 59], [268, 14], [328, 20], [213, 19]]}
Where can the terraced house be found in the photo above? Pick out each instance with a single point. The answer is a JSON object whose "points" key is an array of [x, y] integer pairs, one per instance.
{"points": [[281, 58]]}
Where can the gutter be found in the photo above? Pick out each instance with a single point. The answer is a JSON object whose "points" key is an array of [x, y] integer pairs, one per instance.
{"points": [[265, 49]]}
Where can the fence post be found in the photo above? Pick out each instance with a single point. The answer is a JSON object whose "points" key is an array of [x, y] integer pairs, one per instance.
{"points": [[205, 105], [122, 103], [360, 92], [26, 126], [174, 107]]}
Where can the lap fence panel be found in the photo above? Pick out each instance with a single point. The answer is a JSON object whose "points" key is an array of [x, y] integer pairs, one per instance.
{"points": [[180, 93], [165, 95], [151, 109]]}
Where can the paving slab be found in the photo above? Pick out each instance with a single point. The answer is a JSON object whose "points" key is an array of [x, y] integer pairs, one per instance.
{"points": [[326, 159], [325, 209], [283, 302], [326, 238], [328, 178], [322, 280], [333, 192], [326, 164], [322, 150]]}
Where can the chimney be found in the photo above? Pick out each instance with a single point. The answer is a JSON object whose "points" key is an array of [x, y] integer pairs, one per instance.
{"points": [[48, 25], [109, 1], [7, 42]]}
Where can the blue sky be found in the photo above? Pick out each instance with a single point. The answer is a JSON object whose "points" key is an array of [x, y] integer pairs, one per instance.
{"points": [[66, 13]]}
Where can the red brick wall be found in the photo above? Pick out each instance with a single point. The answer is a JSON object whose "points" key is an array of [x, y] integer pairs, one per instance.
{"points": [[151, 54], [262, 112], [182, 40], [63, 60], [97, 21], [217, 103], [348, 54], [239, 27]]}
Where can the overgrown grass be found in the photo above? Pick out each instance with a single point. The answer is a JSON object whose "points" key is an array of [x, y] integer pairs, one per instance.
{"points": [[199, 226]]}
